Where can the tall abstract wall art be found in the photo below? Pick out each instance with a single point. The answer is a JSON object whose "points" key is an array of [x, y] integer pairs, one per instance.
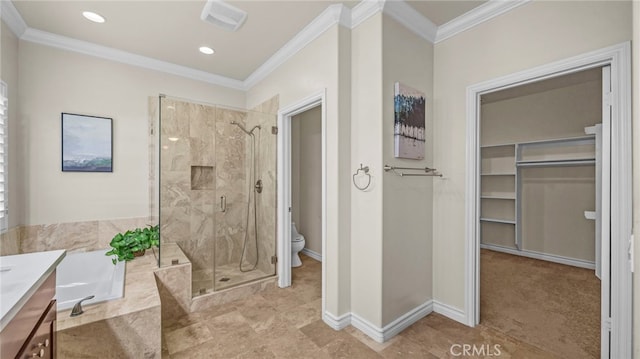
{"points": [[86, 143], [409, 122]]}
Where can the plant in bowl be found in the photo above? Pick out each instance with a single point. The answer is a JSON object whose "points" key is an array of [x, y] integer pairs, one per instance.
{"points": [[130, 244]]}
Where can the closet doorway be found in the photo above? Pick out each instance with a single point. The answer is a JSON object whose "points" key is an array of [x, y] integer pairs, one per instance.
{"points": [[576, 158], [540, 213]]}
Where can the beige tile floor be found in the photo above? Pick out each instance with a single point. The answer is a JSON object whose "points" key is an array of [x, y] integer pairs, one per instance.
{"points": [[286, 323]]}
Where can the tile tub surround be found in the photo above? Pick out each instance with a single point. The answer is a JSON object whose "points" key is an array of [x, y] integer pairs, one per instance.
{"points": [[75, 236], [10, 242], [140, 293], [127, 327]]}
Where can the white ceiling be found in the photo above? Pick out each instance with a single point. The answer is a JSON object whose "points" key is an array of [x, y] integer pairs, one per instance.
{"points": [[172, 31], [442, 11]]}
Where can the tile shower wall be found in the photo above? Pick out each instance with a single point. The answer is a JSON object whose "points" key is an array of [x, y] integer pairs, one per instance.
{"points": [[265, 116], [187, 190], [230, 183], [203, 158]]}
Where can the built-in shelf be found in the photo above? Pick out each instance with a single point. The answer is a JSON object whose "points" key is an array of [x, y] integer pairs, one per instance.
{"points": [[544, 163], [497, 174], [511, 197], [496, 220], [499, 145], [557, 152], [502, 167], [561, 141]]}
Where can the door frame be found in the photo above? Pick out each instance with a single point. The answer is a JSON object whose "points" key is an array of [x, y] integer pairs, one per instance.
{"points": [[284, 185], [619, 58]]}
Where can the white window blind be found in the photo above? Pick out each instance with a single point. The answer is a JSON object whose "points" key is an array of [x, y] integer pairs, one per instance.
{"points": [[4, 108]]}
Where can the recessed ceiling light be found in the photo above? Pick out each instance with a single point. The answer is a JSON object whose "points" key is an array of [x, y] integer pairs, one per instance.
{"points": [[92, 16], [173, 139], [206, 50]]}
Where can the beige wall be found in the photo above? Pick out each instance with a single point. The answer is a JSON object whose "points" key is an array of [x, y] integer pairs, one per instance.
{"points": [[407, 201], [9, 74], [54, 81], [367, 149], [512, 42], [307, 165], [636, 173], [295, 171], [292, 82], [557, 112]]}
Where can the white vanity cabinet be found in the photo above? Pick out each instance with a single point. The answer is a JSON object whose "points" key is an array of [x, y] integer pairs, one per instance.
{"points": [[27, 305]]}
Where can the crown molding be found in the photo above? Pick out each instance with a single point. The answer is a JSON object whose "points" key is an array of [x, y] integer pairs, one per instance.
{"points": [[12, 18], [411, 19], [364, 10], [475, 17], [339, 14], [109, 53], [334, 14]]}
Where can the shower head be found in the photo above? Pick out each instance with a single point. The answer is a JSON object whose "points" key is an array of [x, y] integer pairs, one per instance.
{"points": [[250, 133]]}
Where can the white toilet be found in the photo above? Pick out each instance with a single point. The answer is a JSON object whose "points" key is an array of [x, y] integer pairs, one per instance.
{"points": [[297, 244]]}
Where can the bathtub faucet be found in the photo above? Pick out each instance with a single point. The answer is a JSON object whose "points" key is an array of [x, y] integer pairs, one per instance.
{"points": [[77, 309]]}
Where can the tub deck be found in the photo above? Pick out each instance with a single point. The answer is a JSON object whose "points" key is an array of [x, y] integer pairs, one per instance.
{"points": [[129, 327], [140, 293]]}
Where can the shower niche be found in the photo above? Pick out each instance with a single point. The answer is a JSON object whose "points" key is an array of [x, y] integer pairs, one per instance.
{"points": [[215, 171]]}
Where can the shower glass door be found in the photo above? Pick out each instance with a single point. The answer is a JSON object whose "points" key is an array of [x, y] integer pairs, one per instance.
{"points": [[245, 187], [187, 187], [216, 174]]}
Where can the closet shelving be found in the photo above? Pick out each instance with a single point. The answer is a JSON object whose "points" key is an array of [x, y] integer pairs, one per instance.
{"points": [[498, 185], [500, 170]]}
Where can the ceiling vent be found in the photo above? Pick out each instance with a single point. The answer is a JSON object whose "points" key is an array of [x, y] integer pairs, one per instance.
{"points": [[224, 15]]}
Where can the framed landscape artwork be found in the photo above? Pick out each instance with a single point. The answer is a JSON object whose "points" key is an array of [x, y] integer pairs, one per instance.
{"points": [[409, 122], [87, 143]]}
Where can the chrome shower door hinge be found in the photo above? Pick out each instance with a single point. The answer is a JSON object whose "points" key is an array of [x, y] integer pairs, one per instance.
{"points": [[274, 130], [274, 259]]}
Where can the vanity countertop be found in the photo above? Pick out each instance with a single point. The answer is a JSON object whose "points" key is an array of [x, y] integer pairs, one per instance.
{"points": [[20, 276]]}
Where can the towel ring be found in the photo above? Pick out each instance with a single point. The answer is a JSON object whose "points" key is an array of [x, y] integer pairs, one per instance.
{"points": [[365, 170]]}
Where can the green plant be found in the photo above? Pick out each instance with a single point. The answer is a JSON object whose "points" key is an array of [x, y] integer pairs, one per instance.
{"points": [[124, 245]]}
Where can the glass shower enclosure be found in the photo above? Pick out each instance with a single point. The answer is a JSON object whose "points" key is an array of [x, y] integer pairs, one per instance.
{"points": [[216, 174]]}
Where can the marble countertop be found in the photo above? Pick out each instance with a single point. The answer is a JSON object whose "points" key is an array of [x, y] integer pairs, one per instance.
{"points": [[20, 276]]}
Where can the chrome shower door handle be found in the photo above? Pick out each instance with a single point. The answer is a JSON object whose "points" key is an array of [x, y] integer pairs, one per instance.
{"points": [[223, 204]]}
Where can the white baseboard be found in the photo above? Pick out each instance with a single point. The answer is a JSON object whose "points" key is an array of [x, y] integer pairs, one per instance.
{"points": [[367, 328], [542, 256], [392, 329], [337, 323], [450, 312], [315, 255]]}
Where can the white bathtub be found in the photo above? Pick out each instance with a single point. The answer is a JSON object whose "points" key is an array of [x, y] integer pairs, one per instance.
{"points": [[80, 275]]}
